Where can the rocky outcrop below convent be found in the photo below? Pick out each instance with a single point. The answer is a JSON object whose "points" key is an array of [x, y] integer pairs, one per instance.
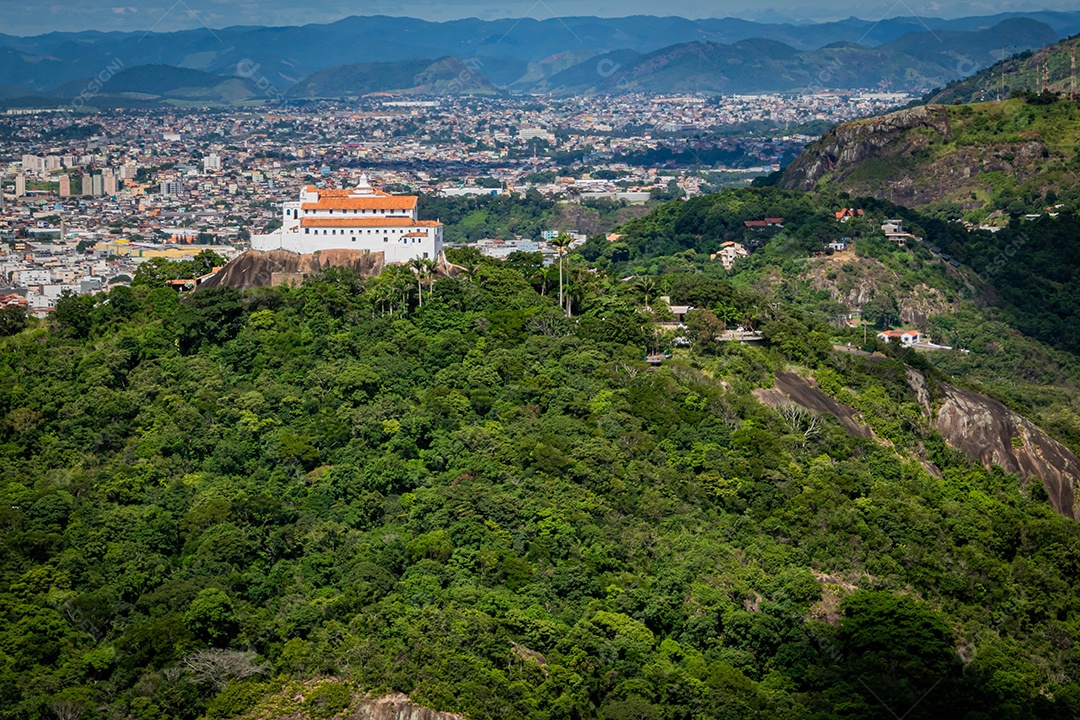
{"points": [[281, 267], [397, 707]]}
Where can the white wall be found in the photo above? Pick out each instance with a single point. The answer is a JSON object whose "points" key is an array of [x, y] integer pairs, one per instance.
{"points": [[397, 250]]}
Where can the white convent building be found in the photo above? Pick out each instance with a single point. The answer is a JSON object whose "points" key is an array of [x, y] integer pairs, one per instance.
{"points": [[362, 218]]}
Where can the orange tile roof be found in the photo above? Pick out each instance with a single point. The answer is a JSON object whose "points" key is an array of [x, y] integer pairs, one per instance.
{"points": [[334, 192], [367, 222], [389, 202]]}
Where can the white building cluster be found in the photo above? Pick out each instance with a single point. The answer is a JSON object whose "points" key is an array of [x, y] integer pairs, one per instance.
{"points": [[361, 218]]}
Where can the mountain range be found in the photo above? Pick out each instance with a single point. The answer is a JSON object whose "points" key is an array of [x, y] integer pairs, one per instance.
{"points": [[358, 55]]}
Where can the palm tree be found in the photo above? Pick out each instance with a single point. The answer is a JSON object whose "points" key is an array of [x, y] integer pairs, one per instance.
{"points": [[561, 243], [429, 273], [418, 267], [539, 276], [470, 269], [647, 285]]}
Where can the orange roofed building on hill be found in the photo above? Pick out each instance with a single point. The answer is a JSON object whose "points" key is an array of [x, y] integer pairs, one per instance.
{"points": [[361, 218]]}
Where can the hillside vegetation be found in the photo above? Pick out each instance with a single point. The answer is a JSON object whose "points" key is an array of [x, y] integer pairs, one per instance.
{"points": [[1045, 69], [1015, 156], [501, 512], [1013, 293]]}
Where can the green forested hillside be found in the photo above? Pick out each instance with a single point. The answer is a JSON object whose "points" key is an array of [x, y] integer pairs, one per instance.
{"points": [[501, 512], [1013, 295], [1048, 68], [1030, 269]]}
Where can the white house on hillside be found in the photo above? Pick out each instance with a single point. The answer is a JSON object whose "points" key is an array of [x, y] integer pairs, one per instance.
{"points": [[729, 253], [907, 338]]}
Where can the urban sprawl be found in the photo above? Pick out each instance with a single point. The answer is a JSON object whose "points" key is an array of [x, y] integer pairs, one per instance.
{"points": [[88, 197]]}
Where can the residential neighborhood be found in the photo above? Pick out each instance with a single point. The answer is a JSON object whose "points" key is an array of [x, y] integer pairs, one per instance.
{"points": [[87, 198]]}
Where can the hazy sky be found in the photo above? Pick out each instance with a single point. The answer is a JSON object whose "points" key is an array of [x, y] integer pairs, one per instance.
{"points": [[21, 17]]}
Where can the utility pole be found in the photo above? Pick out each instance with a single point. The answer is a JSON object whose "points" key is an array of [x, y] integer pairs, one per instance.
{"points": [[1001, 92], [1072, 73]]}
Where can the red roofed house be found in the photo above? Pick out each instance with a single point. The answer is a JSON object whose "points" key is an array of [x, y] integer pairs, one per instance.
{"points": [[907, 338], [848, 213], [766, 223]]}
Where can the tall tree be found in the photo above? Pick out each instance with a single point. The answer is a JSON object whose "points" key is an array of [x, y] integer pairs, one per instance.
{"points": [[561, 243], [418, 267]]}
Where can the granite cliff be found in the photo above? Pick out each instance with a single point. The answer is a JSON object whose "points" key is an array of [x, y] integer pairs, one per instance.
{"points": [[977, 157], [980, 427]]}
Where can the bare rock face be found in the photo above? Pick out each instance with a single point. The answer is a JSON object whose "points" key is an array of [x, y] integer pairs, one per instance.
{"points": [[281, 267], [989, 432], [902, 157], [980, 427], [851, 143], [792, 388], [397, 707], [917, 382]]}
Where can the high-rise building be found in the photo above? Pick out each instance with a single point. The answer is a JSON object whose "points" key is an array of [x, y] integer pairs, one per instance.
{"points": [[171, 187], [97, 187], [52, 162], [20, 185], [211, 162], [129, 170], [33, 162], [109, 182], [65, 185], [86, 185]]}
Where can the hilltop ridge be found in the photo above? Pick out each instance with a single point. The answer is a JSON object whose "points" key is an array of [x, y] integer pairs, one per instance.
{"points": [[975, 159], [1049, 68]]}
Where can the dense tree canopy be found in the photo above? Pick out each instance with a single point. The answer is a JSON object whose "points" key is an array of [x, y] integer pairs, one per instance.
{"points": [[501, 511]]}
